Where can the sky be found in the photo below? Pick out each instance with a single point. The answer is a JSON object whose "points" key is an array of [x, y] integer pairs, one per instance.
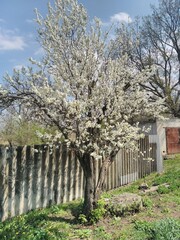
{"points": [[18, 30]]}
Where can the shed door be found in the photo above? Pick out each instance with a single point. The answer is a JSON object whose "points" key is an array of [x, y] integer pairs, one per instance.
{"points": [[173, 140]]}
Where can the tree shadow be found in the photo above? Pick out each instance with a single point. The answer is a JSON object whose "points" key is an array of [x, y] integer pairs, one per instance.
{"points": [[62, 219], [67, 213], [74, 209]]}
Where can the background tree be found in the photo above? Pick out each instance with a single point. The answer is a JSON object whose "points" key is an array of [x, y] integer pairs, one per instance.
{"points": [[154, 40], [91, 98], [16, 131], [18, 128]]}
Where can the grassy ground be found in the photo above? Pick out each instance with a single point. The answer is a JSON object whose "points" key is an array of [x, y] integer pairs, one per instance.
{"points": [[157, 220]]}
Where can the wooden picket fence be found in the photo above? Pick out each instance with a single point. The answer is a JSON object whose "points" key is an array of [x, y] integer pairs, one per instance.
{"points": [[39, 176]]}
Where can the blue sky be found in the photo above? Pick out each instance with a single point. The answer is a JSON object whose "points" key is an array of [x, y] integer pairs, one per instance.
{"points": [[18, 36]]}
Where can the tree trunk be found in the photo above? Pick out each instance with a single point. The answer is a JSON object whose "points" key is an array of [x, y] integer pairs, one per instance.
{"points": [[93, 189], [89, 196]]}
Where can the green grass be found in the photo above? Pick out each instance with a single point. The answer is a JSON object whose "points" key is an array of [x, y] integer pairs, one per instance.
{"points": [[157, 220]]}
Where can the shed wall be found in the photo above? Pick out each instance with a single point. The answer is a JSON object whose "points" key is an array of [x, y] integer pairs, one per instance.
{"points": [[161, 130]]}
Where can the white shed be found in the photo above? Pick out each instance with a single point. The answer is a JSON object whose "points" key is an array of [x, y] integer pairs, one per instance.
{"points": [[168, 132]]}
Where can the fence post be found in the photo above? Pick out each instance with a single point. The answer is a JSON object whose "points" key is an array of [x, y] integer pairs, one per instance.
{"points": [[159, 159], [3, 185]]}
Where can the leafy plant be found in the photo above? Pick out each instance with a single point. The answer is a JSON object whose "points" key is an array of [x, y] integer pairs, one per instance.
{"points": [[99, 212], [166, 229], [41, 234], [123, 210], [163, 190], [83, 233], [147, 202], [82, 218], [142, 225], [101, 234]]}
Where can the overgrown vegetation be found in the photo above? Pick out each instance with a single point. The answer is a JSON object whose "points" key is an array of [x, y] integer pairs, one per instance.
{"points": [[163, 229], [17, 129], [157, 220]]}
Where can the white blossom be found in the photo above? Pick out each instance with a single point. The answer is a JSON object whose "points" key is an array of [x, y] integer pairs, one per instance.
{"points": [[91, 98]]}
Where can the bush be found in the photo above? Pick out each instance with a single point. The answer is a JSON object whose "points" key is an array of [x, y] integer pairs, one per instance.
{"points": [[99, 212], [24, 227], [166, 229], [124, 204], [147, 202], [96, 214]]}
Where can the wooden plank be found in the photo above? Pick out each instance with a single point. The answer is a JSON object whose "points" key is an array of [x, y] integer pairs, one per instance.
{"points": [[64, 175], [24, 199], [18, 183], [56, 187], [3, 185], [12, 174]]}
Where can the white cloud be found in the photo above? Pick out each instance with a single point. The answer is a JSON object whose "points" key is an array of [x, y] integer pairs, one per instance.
{"points": [[29, 21], [18, 67], [117, 18], [10, 41], [39, 52], [121, 17]]}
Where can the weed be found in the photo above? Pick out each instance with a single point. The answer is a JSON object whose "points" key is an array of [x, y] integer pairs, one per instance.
{"points": [[116, 221], [83, 233], [101, 234], [99, 212], [123, 209], [142, 225], [55, 209], [96, 214], [82, 219], [147, 202], [165, 210], [41, 234], [165, 229], [163, 190]]}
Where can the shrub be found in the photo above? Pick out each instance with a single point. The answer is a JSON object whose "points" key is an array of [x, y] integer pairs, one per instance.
{"points": [[96, 214], [101, 234], [124, 204], [99, 212], [82, 218], [166, 229], [147, 202]]}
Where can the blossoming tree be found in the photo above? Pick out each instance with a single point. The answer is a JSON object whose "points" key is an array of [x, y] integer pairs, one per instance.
{"points": [[93, 100]]}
